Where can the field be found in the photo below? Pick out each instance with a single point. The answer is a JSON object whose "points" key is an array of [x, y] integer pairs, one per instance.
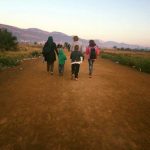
{"points": [[134, 59], [143, 54], [24, 49], [13, 58]]}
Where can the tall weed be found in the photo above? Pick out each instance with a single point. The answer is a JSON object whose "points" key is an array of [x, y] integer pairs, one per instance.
{"points": [[140, 63]]}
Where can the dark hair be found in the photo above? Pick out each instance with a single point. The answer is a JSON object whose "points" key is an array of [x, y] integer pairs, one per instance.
{"points": [[59, 46], [92, 43], [75, 38], [76, 47]]}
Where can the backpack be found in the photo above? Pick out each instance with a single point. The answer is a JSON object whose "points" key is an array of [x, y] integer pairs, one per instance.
{"points": [[93, 53], [46, 50]]}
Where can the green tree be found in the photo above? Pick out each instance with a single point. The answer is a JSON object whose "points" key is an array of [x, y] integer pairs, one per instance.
{"points": [[7, 40]]}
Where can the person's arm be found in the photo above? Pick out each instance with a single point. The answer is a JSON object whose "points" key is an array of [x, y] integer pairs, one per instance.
{"points": [[65, 57], [81, 47], [71, 56], [72, 47], [82, 55], [55, 48], [97, 50], [87, 51], [44, 48]]}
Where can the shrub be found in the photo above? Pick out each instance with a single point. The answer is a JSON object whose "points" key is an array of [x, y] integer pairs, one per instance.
{"points": [[36, 53], [7, 40], [6, 61], [140, 63]]}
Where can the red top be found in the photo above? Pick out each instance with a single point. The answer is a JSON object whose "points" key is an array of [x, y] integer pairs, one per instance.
{"points": [[88, 50]]}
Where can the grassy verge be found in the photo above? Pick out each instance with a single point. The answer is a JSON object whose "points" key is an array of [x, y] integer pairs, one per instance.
{"points": [[10, 59], [140, 63]]}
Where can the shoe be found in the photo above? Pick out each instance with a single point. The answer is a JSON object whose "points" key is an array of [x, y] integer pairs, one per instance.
{"points": [[90, 76], [76, 79], [52, 73], [72, 76]]}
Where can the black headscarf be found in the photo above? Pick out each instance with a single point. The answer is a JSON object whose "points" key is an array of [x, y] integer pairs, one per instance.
{"points": [[50, 40]]}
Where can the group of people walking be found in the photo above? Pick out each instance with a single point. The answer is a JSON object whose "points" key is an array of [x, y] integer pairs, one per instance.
{"points": [[50, 50]]}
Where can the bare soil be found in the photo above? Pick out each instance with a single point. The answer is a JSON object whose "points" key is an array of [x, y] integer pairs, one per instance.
{"points": [[110, 111]]}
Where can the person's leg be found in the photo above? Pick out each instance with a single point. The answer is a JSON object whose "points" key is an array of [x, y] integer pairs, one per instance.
{"points": [[90, 66], [72, 71], [62, 69], [52, 68], [48, 66], [59, 69], [91, 62], [77, 67]]}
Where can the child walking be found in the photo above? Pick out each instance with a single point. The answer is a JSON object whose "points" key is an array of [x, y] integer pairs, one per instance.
{"points": [[76, 59], [61, 58]]}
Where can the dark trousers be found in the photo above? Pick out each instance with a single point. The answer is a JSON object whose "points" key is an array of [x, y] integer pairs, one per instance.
{"points": [[91, 62], [75, 69], [61, 69], [50, 66]]}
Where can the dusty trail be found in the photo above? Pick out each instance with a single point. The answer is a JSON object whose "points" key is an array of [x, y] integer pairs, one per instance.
{"points": [[38, 111]]}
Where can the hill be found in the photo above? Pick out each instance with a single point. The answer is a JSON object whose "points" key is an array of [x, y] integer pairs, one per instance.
{"points": [[36, 35], [32, 35]]}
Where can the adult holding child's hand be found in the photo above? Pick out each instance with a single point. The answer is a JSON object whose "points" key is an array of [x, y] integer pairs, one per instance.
{"points": [[49, 52]]}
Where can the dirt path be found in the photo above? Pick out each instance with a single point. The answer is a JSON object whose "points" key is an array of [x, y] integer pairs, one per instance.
{"points": [[38, 111]]}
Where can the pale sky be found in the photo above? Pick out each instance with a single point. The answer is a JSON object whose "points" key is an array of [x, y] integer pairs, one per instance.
{"points": [[125, 21]]}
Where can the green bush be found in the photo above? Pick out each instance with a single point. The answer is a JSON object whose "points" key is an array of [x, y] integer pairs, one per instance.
{"points": [[6, 61], [14, 60], [7, 40], [36, 53], [139, 63]]}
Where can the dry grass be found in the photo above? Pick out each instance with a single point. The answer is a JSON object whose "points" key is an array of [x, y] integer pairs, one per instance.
{"points": [[13, 58], [24, 49]]}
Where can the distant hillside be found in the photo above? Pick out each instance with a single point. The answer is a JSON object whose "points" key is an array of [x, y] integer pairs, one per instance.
{"points": [[111, 44], [38, 35], [35, 35]]}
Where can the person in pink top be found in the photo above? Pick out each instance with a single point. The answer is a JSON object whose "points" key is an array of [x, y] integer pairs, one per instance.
{"points": [[92, 51]]}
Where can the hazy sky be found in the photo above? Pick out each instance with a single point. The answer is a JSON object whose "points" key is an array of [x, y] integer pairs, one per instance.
{"points": [[125, 21]]}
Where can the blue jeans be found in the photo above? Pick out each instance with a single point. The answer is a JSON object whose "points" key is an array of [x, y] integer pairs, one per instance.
{"points": [[91, 62], [61, 69]]}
